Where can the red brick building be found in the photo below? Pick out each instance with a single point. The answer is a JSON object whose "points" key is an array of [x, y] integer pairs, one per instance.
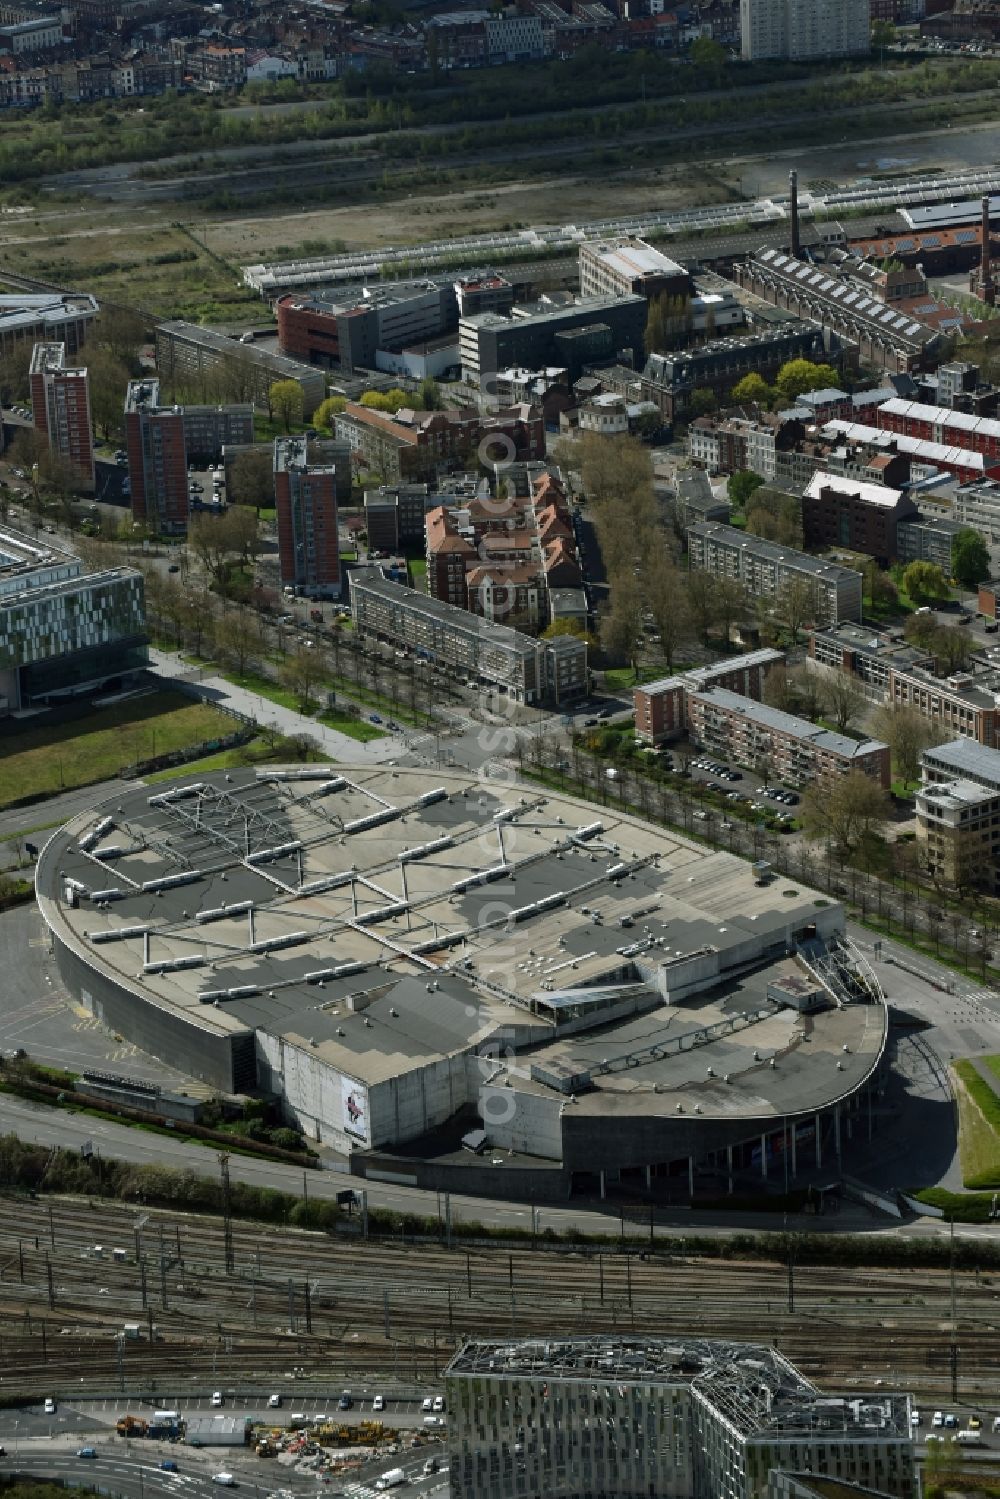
{"points": [[162, 440], [305, 499], [448, 556], [60, 407], [977, 434], [157, 465], [661, 707], [416, 444]]}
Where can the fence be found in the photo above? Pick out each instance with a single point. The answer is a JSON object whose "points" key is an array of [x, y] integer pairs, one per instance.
{"points": [[191, 752]]}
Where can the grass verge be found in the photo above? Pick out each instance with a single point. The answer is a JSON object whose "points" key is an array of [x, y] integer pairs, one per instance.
{"points": [[964, 1207], [978, 1127], [95, 746], [354, 728]]}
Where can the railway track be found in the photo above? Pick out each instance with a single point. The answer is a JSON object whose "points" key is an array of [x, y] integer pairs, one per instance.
{"points": [[338, 1308]]}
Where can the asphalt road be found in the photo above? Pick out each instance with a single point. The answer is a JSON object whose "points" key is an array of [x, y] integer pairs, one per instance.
{"points": [[131, 1469], [35, 1123]]}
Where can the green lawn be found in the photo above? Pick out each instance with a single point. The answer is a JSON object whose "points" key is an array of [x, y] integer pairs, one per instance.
{"points": [[418, 569], [355, 728], [620, 678], [266, 429], [979, 1126], [964, 1207], [55, 757], [264, 687], [992, 1064]]}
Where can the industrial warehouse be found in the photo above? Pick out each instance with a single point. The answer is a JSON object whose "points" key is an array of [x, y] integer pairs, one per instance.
{"points": [[412, 967]]}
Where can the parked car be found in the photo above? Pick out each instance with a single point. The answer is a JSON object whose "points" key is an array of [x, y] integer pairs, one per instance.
{"points": [[217, 1399], [50, 1407], [345, 1402], [378, 1404]]}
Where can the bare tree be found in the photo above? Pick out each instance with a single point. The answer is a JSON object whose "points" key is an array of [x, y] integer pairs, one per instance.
{"points": [[844, 811], [300, 673], [907, 733], [842, 698], [234, 636], [796, 604]]}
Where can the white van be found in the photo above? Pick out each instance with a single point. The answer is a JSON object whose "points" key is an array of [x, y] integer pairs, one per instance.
{"points": [[160, 1416], [391, 1480]]}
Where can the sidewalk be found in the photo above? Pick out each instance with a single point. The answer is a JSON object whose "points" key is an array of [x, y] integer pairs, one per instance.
{"points": [[214, 689]]}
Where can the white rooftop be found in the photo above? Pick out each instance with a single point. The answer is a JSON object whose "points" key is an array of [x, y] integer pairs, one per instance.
{"points": [[871, 494]]}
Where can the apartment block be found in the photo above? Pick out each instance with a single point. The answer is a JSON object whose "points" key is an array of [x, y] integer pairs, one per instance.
{"points": [[958, 833], [305, 499], [551, 672], [842, 512], [630, 267], [511, 558], [161, 441], [725, 444], [977, 505], [661, 707], [200, 359], [928, 539], [779, 745], [688, 1418], [395, 515], [60, 406], [765, 569]]}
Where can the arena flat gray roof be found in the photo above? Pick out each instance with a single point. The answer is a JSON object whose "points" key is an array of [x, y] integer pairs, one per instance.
{"points": [[386, 918]]}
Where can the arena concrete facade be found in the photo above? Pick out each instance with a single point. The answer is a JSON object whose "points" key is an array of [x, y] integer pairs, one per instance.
{"points": [[402, 961]]}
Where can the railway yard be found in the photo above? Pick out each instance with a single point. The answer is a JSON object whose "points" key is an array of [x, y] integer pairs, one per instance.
{"points": [[328, 1311]]}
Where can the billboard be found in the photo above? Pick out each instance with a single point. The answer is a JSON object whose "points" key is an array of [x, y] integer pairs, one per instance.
{"points": [[354, 1110]]}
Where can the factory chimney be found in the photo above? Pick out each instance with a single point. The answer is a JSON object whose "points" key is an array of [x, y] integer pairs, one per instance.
{"points": [[793, 189], [987, 287]]}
